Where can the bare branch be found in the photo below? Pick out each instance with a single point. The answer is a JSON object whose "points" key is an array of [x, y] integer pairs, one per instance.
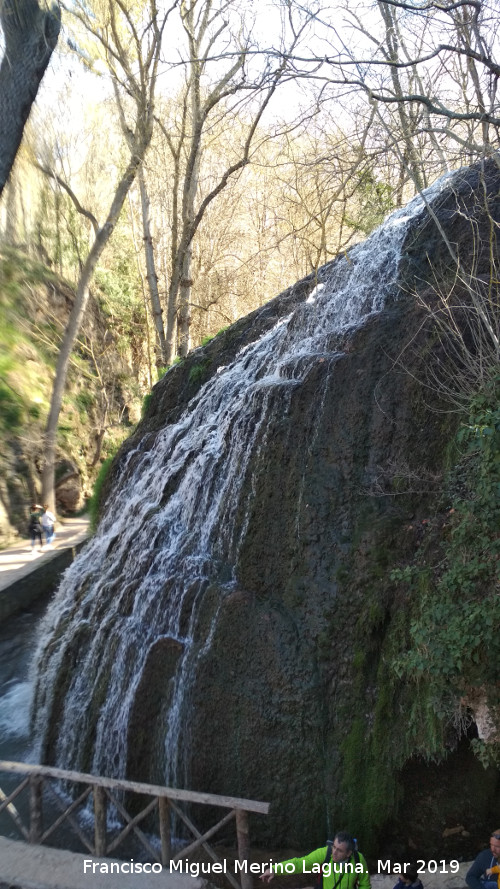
{"points": [[83, 212]]}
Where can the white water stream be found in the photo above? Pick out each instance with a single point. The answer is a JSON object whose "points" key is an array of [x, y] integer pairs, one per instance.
{"points": [[176, 523]]}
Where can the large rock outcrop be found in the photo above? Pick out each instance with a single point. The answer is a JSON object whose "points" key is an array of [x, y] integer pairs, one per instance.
{"points": [[272, 680]]}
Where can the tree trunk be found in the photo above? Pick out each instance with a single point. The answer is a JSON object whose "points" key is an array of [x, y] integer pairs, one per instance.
{"points": [[173, 290], [74, 322], [11, 211], [407, 129], [186, 284], [156, 308], [30, 35]]}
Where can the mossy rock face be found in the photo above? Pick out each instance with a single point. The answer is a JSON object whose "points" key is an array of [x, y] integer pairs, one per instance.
{"points": [[292, 698], [463, 222], [152, 701], [260, 681]]}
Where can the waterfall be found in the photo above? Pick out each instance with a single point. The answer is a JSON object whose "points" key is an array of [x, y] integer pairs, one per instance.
{"points": [[175, 524]]}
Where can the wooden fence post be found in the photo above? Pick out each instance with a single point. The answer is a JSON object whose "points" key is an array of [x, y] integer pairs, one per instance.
{"points": [[36, 829], [243, 836], [163, 797], [164, 817], [100, 821]]}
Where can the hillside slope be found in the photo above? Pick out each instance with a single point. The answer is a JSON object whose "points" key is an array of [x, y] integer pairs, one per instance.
{"points": [[102, 400]]}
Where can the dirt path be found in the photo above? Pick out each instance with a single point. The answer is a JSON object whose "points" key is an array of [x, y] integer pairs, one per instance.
{"points": [[18, 560]]}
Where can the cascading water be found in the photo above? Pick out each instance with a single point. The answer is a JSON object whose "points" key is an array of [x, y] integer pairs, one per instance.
{"points": [[176, 524]]}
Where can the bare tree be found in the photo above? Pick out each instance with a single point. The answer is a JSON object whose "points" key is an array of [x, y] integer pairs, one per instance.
{"points": [[30, 33], [219, 81], [434, 64], [132, 49], [328, 182]]}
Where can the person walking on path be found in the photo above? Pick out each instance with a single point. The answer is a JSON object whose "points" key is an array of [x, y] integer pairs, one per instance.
{"points": [[340, 864], [477, 876], [48, 522], [35, 526]]}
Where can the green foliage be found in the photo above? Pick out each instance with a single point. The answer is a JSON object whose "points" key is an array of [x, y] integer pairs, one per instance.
{"points": [[33, 308], [406, 574], [487, 754], [94, 502], [439, 638], [119, 300], [146, 401], [375, 201], [34, 412], [11, 409], [453, 630], [24, 361], [85, 399], [198, 372], [61, 232]]}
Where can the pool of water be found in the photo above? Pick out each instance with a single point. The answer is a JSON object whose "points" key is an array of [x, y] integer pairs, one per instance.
{"points": [[18, 642], [18, 638]]}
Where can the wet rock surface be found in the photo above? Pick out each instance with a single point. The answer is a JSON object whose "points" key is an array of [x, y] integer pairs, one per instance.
{"points": [[280, 703]]}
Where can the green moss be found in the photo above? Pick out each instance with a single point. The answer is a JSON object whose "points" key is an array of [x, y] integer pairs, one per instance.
{"points": [[374, 743], [358, 660], [208, 339], [163, 370], [369, 767], [199, 371], [454, 643], [12, 409], [146, 401], [439, 637], [94, 502]]}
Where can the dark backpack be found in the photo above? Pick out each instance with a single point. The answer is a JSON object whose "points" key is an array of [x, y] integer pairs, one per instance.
{"points": [[34, 524]]}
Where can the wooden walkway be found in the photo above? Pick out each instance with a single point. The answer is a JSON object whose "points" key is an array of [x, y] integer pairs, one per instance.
{"points": [[30, 865]]}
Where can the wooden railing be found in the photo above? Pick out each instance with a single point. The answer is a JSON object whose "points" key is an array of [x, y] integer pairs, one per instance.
{"points": [[165, 800]]}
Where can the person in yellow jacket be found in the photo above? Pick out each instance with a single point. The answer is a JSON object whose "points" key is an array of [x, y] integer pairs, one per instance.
{"points": [[343, 868]]}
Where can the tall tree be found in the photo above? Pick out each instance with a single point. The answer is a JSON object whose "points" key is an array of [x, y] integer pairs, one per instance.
{"points": [[131, 40], [221, 76], [30, 33], [434, 63]]}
